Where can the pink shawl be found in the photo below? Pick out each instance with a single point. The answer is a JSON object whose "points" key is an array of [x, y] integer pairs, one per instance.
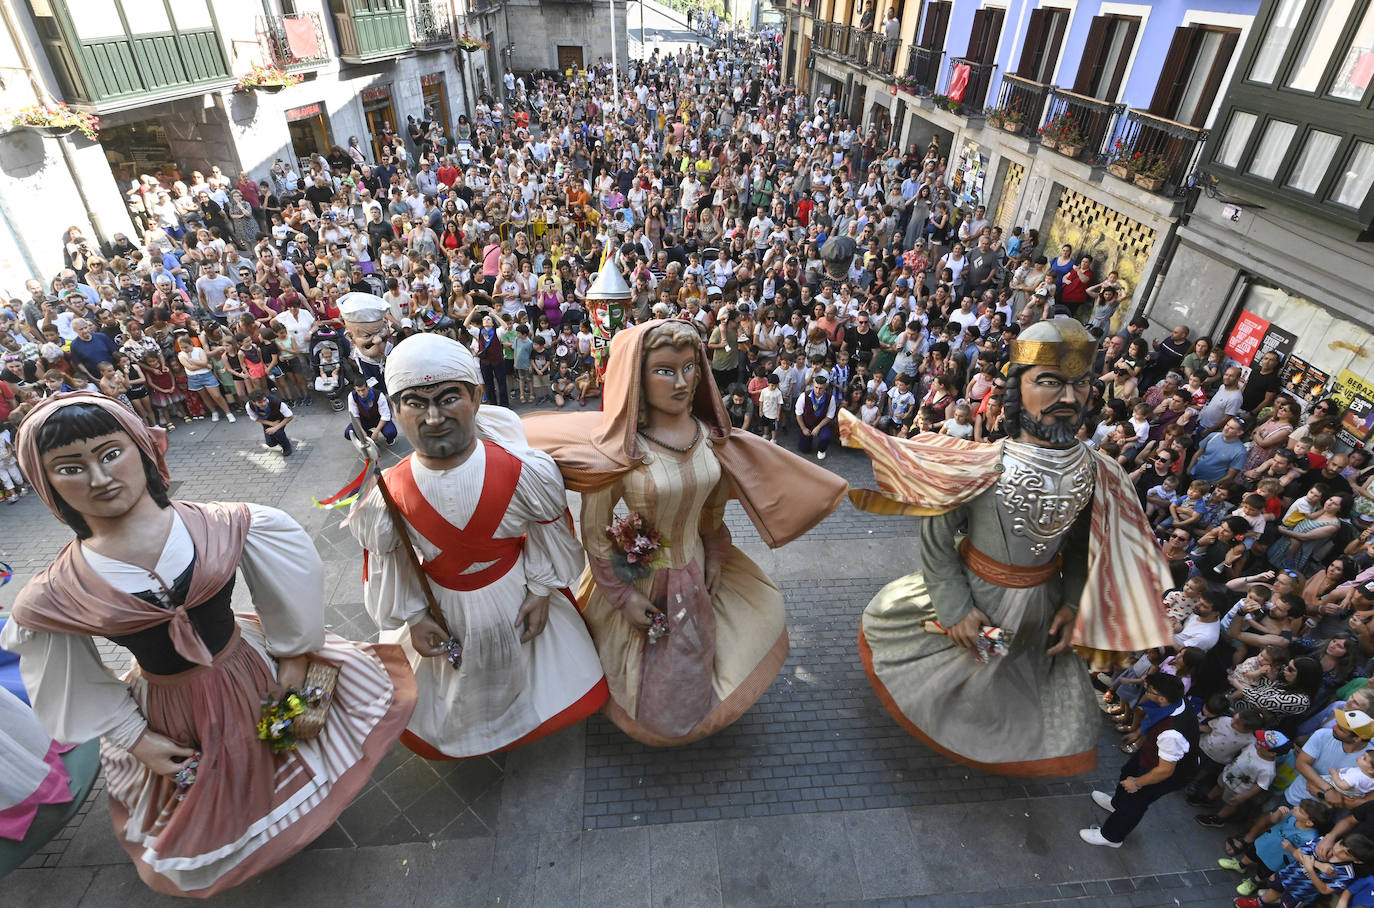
{"points": [[70, 597]]}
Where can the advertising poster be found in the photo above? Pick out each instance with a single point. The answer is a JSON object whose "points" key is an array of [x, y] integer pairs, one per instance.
{"points": [[1276, 340], [1356, 396], [1245, 338], [1303, 380]]}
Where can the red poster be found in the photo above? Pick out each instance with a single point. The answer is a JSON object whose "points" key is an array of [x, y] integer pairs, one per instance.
{"points": [[1246, 337]]}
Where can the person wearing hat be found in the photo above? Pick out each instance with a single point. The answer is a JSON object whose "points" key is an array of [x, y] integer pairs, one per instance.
{"points": [[485, 513], [816, 409], [1329, 750], [1165, 759], [368, 331], [1249, 773], [1037, 536]]}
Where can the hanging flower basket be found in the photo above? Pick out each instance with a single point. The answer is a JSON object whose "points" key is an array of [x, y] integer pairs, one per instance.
{"points": [[268, 79], [56, 120], [470, 43]]}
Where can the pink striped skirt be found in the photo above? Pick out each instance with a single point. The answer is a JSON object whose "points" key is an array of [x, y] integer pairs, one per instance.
{"points": [[249, 808]]}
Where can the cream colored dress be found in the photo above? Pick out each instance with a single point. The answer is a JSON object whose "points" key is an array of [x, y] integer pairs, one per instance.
{"points": [[723, 647]]}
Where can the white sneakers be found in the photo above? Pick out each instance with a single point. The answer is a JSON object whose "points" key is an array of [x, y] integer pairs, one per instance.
{"points": [[1103, 800], [820, 455], [230, 417], [1093, 836], [214, 417]]}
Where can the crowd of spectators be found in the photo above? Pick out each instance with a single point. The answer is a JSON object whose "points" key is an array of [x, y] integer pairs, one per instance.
{"points": [[824, 268]]}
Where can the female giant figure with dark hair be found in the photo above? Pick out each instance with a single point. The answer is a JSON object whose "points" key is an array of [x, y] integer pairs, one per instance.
{"points": [[156, 577]]}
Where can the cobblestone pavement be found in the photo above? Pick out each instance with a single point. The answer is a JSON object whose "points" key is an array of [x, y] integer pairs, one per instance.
{"points": [[814, 797]]}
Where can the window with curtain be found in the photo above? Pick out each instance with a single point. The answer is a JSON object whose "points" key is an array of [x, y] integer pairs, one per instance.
{"points": [[1322, 38], [1357, 63], [1236, 137], [1273, 145], [1314, 161], [1277, 37], [1352, 188]]}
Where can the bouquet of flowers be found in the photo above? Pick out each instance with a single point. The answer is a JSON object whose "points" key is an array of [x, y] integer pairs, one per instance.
{"points": [[639, 548], [298, 714], [186, 775]]}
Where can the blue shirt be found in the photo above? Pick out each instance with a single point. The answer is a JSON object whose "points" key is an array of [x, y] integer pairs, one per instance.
{"points": [[1217, 456], [90, 354], [1327, 753]]}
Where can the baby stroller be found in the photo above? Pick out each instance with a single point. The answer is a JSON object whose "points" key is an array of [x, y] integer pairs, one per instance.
{"points": [[330, 375]]}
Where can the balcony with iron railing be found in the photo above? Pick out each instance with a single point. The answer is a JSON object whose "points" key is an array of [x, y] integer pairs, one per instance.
{"points": [[371, 30], [431, 24], [922, 70], [1080, 126], [976, 89], [1020, 106], [1155, 153], [293, 42], [861, 46]]}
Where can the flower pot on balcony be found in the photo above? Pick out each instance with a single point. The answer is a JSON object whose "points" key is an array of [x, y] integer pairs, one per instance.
{"points": [[269, 89], [1119, 171], [1149, 184], [1049, 143], [1009, 126], [53, 132], [1072, 151]]}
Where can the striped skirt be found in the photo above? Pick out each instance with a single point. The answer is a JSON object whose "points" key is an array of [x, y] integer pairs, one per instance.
{"points": [[249, 809]]}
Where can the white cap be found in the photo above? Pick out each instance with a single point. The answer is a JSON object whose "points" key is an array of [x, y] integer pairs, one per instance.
{"points": [[427, 359], [362, 307]]}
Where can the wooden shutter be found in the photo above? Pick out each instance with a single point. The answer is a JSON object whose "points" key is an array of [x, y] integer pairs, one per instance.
{"points": [[1132, 27], [1225, 50], [1054, 43], [1091, 62], [942, 11], [933, 31], [1178, 65], [1034, 49], [975, 35], [992, 32]]}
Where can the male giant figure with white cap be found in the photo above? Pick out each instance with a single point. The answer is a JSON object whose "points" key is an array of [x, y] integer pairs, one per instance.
{"points": [[487, 516], [369, 334]]}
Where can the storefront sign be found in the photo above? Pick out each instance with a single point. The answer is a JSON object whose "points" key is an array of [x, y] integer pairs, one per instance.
{"points": [[1245, 338], [1303, 380], [432, 79], [304, 113], [375, 95]]}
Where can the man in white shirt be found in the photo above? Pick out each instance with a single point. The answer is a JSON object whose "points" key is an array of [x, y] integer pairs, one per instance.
{"points": [[1202, 629]]}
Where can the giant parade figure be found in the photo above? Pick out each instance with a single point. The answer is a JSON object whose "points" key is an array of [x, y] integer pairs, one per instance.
{"points": [[689, 630], [1034, 556], [469, 554]]}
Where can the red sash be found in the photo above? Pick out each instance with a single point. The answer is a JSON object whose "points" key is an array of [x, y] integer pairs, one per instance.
{"points": [[460, 549]]}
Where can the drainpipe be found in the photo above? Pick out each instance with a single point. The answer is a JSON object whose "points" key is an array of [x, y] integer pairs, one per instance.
{"points": [[26, 57]]}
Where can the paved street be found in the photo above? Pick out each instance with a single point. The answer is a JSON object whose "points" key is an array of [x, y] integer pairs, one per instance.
{"points": [[814, 797], [662, 27]]}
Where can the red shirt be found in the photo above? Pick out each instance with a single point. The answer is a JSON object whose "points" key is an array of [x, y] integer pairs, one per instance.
{"points": [[447, 175]]}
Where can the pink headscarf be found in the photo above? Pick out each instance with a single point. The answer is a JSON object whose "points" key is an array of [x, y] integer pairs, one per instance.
{"points": [[152, 442]]}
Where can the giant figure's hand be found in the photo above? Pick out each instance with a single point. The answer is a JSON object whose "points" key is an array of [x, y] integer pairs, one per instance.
{"points": [[1061, 628], [291, 672], [158, 753], [638, 610], [426, 635], [965, 633], [534, 614]]}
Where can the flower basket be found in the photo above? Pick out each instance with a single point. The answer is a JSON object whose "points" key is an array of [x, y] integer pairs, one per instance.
{"points": [[55, 120], [1150, 184], [469, 43], [268, 79], [1072, 151], [1010, 125], [1120, 171], [1049, 143]]}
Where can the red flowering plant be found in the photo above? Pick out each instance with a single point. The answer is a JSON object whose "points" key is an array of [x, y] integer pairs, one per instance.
{"points": [[266, 77], [639, 548], [1064, 130]]}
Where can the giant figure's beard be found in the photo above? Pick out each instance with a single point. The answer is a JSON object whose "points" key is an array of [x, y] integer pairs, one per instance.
{"points": [[1060, 432]]}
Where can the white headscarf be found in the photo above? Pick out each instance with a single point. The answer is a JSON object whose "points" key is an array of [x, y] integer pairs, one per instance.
{"points": [[427, 359]]}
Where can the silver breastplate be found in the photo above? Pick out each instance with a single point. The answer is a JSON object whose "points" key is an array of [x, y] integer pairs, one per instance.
{"points": [[1041, 492]]}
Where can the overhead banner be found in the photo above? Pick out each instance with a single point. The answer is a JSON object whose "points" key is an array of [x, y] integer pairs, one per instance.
{"points": [[1245, 337]]}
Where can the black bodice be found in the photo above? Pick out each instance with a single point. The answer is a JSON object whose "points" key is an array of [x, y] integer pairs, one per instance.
{"points": [[213, 620]]}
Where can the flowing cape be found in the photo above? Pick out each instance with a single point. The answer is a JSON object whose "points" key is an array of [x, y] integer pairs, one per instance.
{"points": [[1120, 608], [783, 494]]}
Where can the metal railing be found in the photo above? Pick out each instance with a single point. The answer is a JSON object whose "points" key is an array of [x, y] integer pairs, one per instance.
{"points": [[431, 24], [1156, 153], [1021, 105], [878, 54], [861, 47], [979, 81], [820, 35], [1090, 124], [922, 69], [272, 39]]}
